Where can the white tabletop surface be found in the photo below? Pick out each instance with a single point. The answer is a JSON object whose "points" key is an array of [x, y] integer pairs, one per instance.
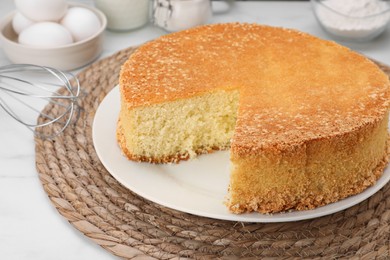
{"points": [[30, 227]]}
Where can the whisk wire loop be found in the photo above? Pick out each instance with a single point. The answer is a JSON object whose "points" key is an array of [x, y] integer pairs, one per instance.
{"points": [[24, 88]]}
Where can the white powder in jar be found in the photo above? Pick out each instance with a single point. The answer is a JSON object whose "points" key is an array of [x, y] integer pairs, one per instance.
{"points": [[354, 18]]}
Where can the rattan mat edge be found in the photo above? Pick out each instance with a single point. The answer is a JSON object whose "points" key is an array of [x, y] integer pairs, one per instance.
{"points": [[131, 227]]}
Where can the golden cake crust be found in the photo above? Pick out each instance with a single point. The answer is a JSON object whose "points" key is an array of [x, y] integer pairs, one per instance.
{"points": [[312, 115], [268, 203], [252, 58], [303, 193]]}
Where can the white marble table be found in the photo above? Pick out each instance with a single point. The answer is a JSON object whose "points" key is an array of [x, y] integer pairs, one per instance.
{"points": [[30, 227]]}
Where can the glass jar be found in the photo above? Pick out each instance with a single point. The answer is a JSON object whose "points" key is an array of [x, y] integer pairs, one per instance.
{"points": [[123, 15]]}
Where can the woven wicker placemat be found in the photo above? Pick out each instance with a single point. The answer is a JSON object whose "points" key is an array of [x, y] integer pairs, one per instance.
{"points": [[131, 227]]}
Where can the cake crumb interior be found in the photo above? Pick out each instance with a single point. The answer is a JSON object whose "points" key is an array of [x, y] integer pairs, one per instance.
{"points": [[202, 123]]}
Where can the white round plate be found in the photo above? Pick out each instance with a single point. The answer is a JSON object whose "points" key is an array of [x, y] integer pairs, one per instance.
{"points": [[197, 186]]}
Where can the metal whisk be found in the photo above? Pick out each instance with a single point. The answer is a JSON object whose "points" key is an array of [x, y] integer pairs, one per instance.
{"points": [[26, 89]]}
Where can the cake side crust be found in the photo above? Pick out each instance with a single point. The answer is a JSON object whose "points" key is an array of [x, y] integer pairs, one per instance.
{"points": [[312, 174], [310, 203]]}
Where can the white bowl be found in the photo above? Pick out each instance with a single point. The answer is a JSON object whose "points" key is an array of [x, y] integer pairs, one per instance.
{"points": [[347, 27], [67, 57]]}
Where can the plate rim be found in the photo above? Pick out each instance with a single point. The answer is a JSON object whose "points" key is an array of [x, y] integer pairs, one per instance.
{"points": [[264, 218]]}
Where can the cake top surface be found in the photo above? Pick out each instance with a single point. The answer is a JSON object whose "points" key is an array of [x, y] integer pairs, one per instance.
{"points": [[293, 86]]}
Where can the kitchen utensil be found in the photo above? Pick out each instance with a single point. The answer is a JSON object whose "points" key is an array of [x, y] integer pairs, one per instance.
{"points": [[25, 89]]}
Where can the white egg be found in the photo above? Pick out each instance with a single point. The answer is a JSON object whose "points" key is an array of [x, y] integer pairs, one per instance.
{"points": [[20, 22], [81, 22], [45, 35], [42, 10]]}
